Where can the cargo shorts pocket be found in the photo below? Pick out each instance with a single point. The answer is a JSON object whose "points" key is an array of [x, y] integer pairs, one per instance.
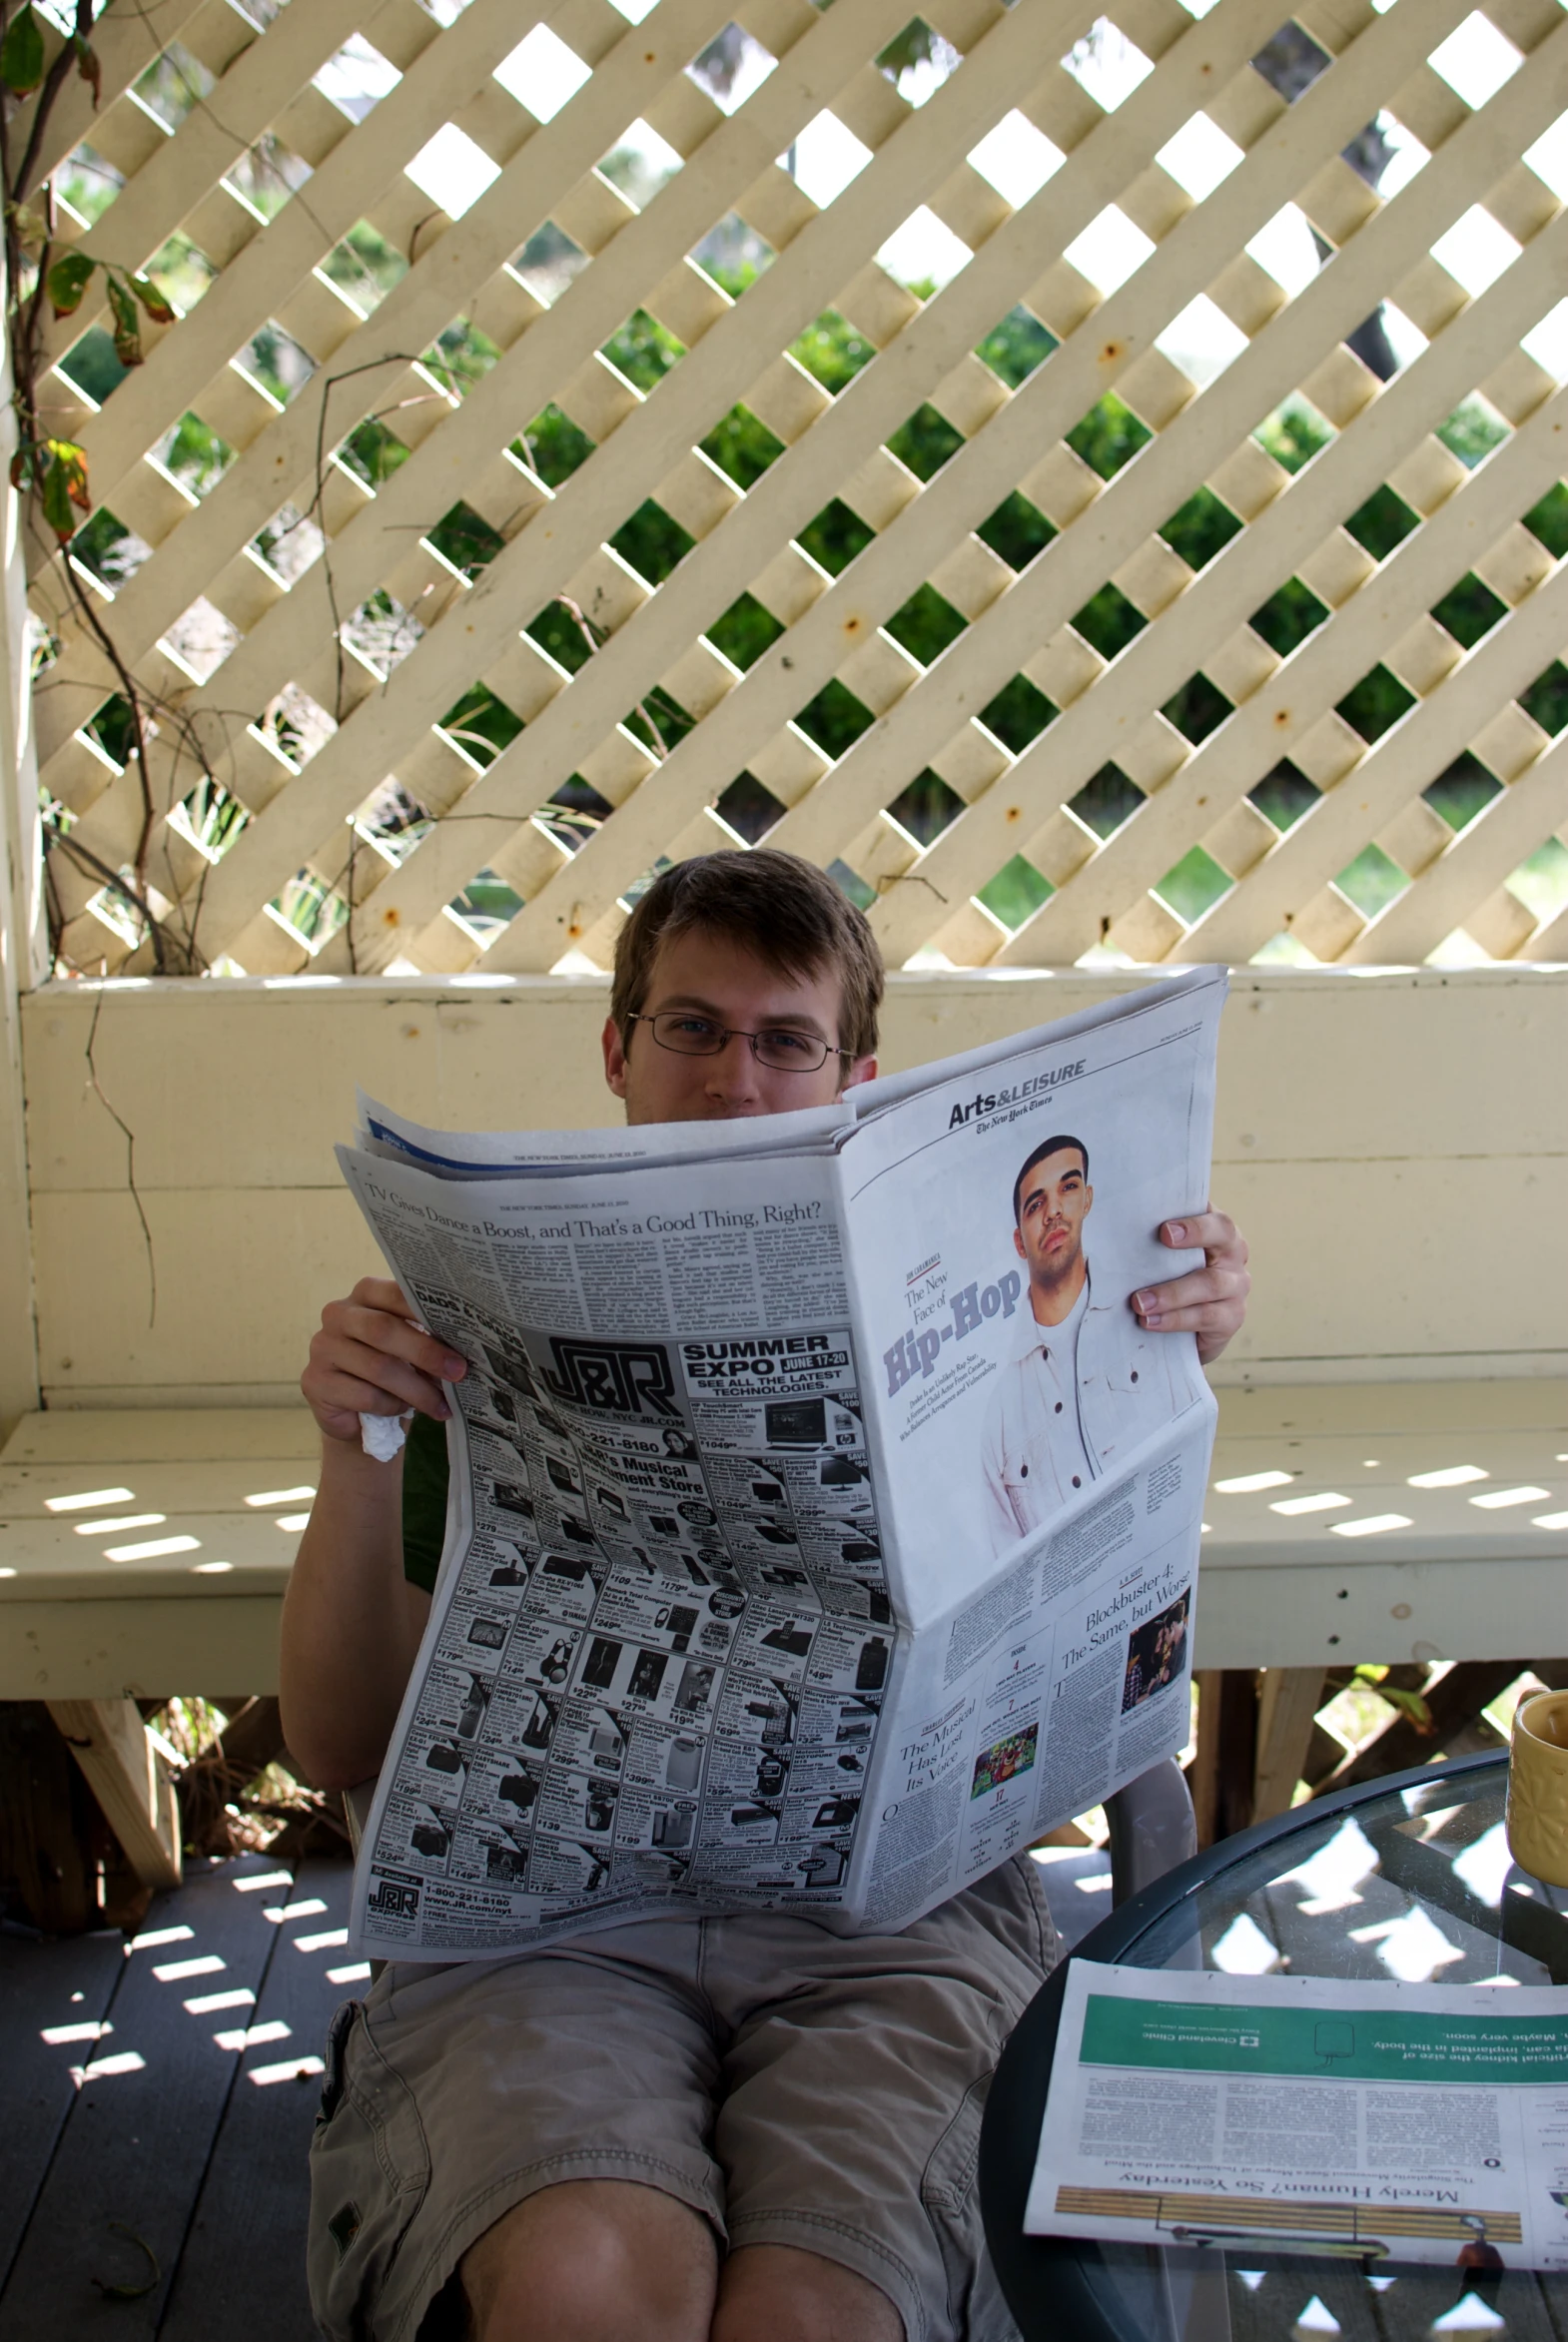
{"points": [[369, 2172], [950, 2193]]}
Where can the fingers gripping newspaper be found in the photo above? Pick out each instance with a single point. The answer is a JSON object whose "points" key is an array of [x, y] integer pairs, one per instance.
{"points": [[823, 1526]]}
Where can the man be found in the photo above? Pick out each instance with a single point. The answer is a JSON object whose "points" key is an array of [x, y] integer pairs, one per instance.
{"points": [[1084, 1384], [682, 2130]]}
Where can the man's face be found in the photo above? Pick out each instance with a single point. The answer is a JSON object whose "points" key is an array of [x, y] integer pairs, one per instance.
{"points": [[709, 977], [1051, 1208]]}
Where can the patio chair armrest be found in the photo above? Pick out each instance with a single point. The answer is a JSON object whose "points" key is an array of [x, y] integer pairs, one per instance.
{"points": [[1153, 1828]]}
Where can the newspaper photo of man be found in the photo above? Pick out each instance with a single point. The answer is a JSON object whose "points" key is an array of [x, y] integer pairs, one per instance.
{"points": [[1084, 1384]]}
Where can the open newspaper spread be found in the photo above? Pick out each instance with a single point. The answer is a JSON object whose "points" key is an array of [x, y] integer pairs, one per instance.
{"points": [[1303, 2113], [789, 1561]]}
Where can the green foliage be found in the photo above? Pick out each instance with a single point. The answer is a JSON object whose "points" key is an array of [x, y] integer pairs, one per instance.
{"points": [[1382, 523], [1547, 698], [1472, 430], [835, 536], [465, 540], [926, 624], [196, 455], [1017, 714], [374, 451], [831, 350], [1016, 347], [1016, 531], [1373, 881], [751, 809], [1109, 621], [1108, 437], [1103, 803], [1201, 529], [558, 631], [1194, 885], [1285, 795], [365, 266], [643, 350], [742, 446], [553, 447], [1289, 616], [1197, 709], [652, 542], [482, 724], [1549, 521], [926, 442], [1463, 791], [1377, 701], [460, 357], [835, 719], [1293, 434], [926, 807], [1469, 610], [1015, 893], [744, 631], [22, 54]]}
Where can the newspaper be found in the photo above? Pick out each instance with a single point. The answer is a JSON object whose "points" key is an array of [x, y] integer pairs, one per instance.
{"points": [[1300, 2114], [790, 1562]]}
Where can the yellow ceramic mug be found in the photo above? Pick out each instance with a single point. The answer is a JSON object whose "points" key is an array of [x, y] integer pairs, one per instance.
{"points": [[1538, 1788]]}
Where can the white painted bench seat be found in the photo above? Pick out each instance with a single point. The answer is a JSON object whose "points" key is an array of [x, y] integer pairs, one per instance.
{"points": [[1462, 1581]]}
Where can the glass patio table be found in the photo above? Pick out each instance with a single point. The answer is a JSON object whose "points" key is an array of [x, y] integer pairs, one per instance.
{"points": [[1409, 1877]]}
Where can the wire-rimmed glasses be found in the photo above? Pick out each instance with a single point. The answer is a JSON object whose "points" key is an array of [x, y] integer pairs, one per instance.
{"points": [[778, 1047]]}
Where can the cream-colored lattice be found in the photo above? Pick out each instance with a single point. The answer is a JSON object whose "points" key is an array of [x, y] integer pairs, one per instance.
{"points": [[264, 625]]}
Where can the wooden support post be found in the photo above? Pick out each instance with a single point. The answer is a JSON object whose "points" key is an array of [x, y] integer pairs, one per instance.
{"points": [[1286, 1713], [1221, 1776], [23, 955], [130, 1781]]}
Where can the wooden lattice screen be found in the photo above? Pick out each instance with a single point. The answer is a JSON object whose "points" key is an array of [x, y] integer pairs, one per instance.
{"points": [[341, 624]]}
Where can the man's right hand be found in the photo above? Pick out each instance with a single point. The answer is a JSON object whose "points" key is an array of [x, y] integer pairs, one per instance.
{"points": [[370, 1359]]}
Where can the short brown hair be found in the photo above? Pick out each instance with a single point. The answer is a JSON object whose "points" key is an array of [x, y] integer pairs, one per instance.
{"points": [[782, 910]]}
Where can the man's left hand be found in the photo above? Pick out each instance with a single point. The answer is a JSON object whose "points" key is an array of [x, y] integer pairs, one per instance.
{"points": [[1209, 1301]]}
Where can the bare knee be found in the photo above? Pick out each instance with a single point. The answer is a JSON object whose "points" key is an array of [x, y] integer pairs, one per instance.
{"points": [[778, 2293], [592, 2260]]}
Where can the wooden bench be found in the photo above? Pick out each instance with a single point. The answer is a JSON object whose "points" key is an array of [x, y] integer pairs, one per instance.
{"points": [[144, 1553]]}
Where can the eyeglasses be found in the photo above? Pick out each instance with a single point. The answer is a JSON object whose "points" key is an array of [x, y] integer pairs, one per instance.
{"points": [[777, 1047]]}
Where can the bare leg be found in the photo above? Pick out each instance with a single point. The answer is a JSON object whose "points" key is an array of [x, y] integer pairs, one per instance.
{"points": [[778, 2293], [592, 2260]]}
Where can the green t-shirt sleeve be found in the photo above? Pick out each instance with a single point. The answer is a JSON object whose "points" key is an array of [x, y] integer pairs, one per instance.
{"points": [[425, 1472]]}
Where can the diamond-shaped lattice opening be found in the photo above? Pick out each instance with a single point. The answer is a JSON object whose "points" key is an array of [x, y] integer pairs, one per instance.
{"points": [[1285, 795], [926, 807], [923, 253], [294, 725], [1283, 951], [925, 441], [1382, 523], [652, 542], [174, 83], [1547, 698], [733, 254], [917, 61], [559, 630], [748, 809], [88, 183], [1109, 436], [1103, 803], [659, 721], [464, 540], [1377, 701], [573, 813], [200, 639], [109, 727], [182, 271], [1373, 881], [1016, 158], [193, 454], [835, 536], [832, 351], [1193, 886], [276, 360], [485, 906], [373, 452], [1476, 60], [1469, 610], [310, 908], [1198, 710], [392, 821], [742, 446], [290, 544], [1016, 531], [552, 447], [481, 724], [1549, 521], [549, 262], [851, 884], [744, 631], [358, 78], [1016, 347], [926, 624], [265, 176], [1201, 528], [108, 548], [1473, 429], [453, 169], [1541, 882], [1019, 714], [1107, 64], [825, 158], [210, 818], [542, 73], [1292, 61], [464, 355], [835, 719], [1015, 893], [643, 350], [1108, 620], [631, 896], [732, 65], [364, 267], [1289, 616], [381, 632], [1463, 791], [642, 164], [91, 367], [1294, 432]]}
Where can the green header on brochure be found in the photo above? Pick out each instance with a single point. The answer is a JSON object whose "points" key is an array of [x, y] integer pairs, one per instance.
{"points": [[1351, 2044]]}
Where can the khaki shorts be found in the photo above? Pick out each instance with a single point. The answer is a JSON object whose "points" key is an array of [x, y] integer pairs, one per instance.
{"points": [[791, 2085]]}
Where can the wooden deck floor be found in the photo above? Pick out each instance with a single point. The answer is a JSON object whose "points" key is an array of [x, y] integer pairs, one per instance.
{"points": [[164, 2092]]}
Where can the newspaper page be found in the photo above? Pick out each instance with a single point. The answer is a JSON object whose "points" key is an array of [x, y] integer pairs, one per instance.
{"points": [[1417, 2123], [735, 1607]]}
